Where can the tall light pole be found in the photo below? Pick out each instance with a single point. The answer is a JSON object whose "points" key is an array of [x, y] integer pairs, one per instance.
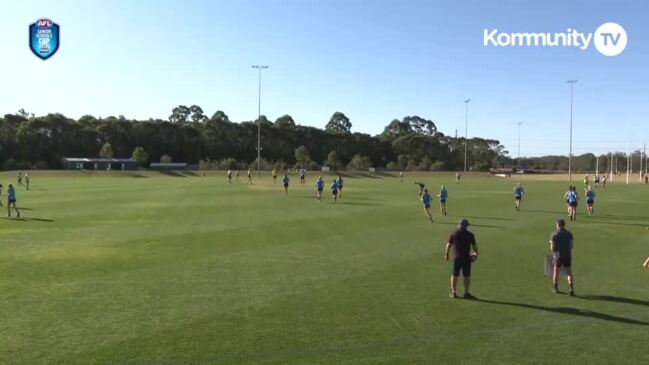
{"points": [[627, 155], [519, 143], [258, 67], [466, 130], [572, 86]]}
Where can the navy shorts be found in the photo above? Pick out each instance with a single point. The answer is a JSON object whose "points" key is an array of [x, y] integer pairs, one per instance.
{"points": [[11, 201], [590, 202], [572, 204], [285, 185], [443, 201], [564, 262], [334, 192], [518, 198], [427, 206], [463, 264], [319, 190]]}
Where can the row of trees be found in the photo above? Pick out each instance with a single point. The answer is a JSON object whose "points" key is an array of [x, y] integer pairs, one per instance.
{"points": [[412, 143], [586, 162]]}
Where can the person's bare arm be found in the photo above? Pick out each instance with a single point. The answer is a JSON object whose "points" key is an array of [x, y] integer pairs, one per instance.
{"points": [[448, 248]]}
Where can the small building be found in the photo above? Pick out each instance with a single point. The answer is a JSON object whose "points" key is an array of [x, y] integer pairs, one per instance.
{"points": [[161, 166], [117, 164]]}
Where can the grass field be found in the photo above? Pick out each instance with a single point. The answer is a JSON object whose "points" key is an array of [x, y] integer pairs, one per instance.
{"points": [[163, 269]]}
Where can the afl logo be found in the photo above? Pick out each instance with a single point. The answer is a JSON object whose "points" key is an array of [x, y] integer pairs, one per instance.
{"points": [[44, 38]]}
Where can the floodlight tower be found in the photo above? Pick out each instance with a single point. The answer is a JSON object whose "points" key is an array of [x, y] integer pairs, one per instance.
{"points": [[572, 86], [258, 67], [466, 130]]}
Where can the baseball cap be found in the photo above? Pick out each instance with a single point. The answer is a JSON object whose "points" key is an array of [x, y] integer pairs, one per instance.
{"points": [[463, 223]]}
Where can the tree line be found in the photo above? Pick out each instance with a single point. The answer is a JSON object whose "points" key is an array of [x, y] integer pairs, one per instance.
{"points": [[188, 135]]}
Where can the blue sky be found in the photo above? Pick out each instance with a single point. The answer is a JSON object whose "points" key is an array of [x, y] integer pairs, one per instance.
{"points": [[373, 60]]}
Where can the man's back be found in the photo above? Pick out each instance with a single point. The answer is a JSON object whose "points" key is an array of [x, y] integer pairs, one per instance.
{"points": [[462, 240], [562, 239]]}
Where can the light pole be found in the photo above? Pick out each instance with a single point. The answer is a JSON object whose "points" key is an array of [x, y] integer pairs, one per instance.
{"points": [[258, 67], [519, 143], [466, 130], [627, 155], [572, 86]]}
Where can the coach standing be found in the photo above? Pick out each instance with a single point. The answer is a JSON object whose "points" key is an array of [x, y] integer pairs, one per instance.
{"points": [[561, 243], [462, 241]]}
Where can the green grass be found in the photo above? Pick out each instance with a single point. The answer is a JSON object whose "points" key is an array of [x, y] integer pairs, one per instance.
{"points": [[110, 268]]}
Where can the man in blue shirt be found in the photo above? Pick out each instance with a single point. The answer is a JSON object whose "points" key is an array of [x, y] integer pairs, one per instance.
{"points": [[11, 200], [426, 199], [319, 185], [340, 186], [334, 190], [518, 195], [285, 181], [590, 200], [443, 195], [561, 243]]}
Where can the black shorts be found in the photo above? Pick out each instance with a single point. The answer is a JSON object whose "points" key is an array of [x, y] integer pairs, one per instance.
{"points": [[319, 191], [443, 201], [572, 204], [11, 201], [464, 264], [590, 202], [518, 198], [427, 206], [340, 188], [285, 186], [334, 192], [564, 262]]}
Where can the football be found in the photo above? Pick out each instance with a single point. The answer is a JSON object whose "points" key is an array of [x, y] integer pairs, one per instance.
{"points": [[474, 257]]}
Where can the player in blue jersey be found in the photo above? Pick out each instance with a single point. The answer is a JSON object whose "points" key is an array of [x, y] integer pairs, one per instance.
{"points": [[421, 187], [443, 195], [339, 182], [285, 181], [334, 190], [319, 186], [573, 198], [426, 199], [518, 196], [590, 200], [11, 200]]}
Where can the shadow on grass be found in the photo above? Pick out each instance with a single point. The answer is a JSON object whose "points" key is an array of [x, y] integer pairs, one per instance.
{"points": [[638, 217], [541, 211], [21, 208], [472, 225], [24, 219], [174, 173], [358, 203], [597, 221], [570, 310], [614, 299], [492, 218]]}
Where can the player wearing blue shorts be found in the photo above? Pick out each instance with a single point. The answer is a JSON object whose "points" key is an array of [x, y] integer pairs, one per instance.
{"points": [[572, 203], [334, 190], [11, 200], [339, 182], [285, 181], [590, 200], [443, 196], [426, 199], [518, 196], [319, 186]]}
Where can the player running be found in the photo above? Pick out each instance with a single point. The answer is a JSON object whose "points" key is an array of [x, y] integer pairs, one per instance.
{"points": [[319, 186], [421, 187], [590, 200], [401, 175], [11, 200], [334, 190], [426, 199], [340, 187], [604, 179], [443, 195], [565, 196], [518, 195], [1, 188], [274, 176], [249, 182], [229, 176], [28, 179], [457, 177], [586, 178], [285, 181], [20, 178], [302, 176], [573, 198]]}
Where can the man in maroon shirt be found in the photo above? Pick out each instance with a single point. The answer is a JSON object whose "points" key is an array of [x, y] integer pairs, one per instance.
{"points": [[462, 242]]}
